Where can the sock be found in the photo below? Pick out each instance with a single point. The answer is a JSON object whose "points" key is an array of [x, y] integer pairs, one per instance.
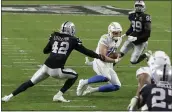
{"points": [[68, 84], [94, 89], [23, 87], [97, 78], [11, 95], [141, 58], [108, 88], [60, 93]]}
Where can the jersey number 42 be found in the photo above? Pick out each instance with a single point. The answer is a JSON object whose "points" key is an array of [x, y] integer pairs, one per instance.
{"points": [[64, 46]]}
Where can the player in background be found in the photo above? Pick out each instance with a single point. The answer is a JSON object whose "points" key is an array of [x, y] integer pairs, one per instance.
{"points": [[107, 44], [60, 45], [144, 75], [138, 33], [158, 96]]}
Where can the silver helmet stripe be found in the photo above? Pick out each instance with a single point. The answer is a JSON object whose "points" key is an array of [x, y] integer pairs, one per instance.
{"points": [[164, 72], [64, 25]]}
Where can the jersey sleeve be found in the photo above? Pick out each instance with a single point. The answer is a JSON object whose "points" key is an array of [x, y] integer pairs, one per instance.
{"points": [[147, 18], [47, 48], [144, 92], [103, 40], [78, 42]]}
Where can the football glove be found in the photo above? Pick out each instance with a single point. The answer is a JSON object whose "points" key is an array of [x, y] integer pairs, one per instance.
{"points": [[131, 38], [133, 103], [123, 35]]}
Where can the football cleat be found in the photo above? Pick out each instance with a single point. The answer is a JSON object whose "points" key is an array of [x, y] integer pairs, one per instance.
{"points": [[148, 54], [81, 87], [59, 98], [6, 98], [87, 91]]}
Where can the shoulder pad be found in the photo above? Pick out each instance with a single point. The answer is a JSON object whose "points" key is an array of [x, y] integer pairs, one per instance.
{"points": [[104, 36], [147, 17]]}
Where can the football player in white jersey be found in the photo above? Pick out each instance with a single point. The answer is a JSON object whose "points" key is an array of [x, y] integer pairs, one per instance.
{"points": [[104, 70], [144, 74]]}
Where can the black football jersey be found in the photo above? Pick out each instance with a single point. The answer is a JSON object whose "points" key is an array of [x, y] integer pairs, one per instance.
{"points": [[60, 46], [157, 98], [140, 27]]}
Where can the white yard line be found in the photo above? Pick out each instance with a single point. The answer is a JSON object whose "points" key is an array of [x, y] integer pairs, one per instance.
{"points": [[87, 39], [73, 66], [56, 85], [77, 106]]}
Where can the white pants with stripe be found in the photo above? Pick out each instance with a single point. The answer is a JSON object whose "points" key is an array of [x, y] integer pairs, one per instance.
{"points": [[44, 72], [137, 49]]}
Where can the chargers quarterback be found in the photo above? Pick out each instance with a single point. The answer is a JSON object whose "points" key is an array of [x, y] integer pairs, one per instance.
{"points": [[104, 70]]}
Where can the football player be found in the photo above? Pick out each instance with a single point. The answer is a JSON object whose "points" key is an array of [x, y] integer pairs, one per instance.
{"points": [[138, 33], [144, 75], [60, 45], [104, 70], [158, 96]]}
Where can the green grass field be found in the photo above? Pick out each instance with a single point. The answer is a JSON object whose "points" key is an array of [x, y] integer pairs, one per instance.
{"points": [[25, 35]]}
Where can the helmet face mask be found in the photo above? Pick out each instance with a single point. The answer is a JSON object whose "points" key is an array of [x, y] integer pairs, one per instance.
{"points": [[68, 28], [115, 35], [139, 6], [114, 30]]}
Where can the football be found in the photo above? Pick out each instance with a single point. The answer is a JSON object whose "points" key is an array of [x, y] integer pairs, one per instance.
{"points": [[113, 55]]}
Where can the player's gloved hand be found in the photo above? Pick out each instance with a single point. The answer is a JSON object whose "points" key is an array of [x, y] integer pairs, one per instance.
{"points": [[117, 60], [123, 35], [101, 57], [133, 103], [131, 38]]}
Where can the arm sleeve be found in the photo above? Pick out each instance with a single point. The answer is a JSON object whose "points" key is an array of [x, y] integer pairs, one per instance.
{"points": [[47, 48], [147, 31], [144, 92], [103, 41], [130, 30], [86, 51]]}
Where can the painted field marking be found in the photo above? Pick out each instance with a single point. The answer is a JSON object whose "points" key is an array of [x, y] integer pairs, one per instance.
{"points": [[53, 85], [87, 39], [77, 106]]}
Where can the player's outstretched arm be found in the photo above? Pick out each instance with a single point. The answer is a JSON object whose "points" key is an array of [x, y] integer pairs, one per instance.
{"points": [[47, 48], [89, 52]]}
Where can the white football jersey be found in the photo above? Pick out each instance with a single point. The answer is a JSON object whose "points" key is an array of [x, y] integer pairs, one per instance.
{"points": [[112, 47], [109, 42]]}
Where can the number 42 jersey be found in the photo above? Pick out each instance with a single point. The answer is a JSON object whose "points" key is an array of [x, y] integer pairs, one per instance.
{"points": [[60, 46]]}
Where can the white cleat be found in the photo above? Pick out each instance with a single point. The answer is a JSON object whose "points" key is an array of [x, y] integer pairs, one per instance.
{"points": [[87, 91], [5, 99], [59, 98], [148, 54], [81, 87]]}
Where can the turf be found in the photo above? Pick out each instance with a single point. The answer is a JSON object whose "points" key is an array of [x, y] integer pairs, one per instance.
{"points": [[25, 35]]}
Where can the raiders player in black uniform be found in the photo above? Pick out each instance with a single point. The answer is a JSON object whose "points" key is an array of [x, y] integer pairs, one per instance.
{"points": [[158, 97], [60, 46], [138, 33]]}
